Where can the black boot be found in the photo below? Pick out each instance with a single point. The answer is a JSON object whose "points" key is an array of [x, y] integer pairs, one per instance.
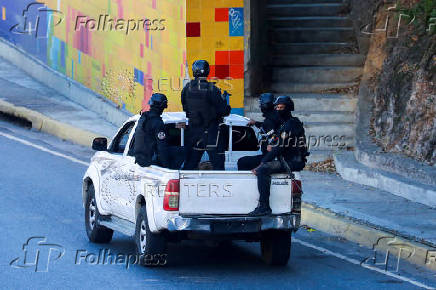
{"points": [[261, 210]]}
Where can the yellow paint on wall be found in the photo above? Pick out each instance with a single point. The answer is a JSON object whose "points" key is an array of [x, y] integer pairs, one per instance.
{"points": [[214, 36], [4, 13], [114, 51]]}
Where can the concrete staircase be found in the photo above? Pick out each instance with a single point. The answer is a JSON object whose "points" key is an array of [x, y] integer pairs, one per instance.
{"points": [[314, 59]]}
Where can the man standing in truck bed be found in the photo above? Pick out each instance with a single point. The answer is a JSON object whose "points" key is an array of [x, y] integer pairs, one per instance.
{"points": [[205, 107]]}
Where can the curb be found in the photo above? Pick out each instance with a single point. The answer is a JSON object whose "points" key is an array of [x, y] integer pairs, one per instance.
{"points": [[45, 124], [369, 236]]}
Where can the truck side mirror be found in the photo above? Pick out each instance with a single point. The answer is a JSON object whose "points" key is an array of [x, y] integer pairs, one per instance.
{"points": [[99, 144]]}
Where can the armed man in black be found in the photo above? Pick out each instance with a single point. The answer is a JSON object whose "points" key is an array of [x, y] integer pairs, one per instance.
{"points": [[267, 129], [288, 151], [205, 107], [150, 145]]}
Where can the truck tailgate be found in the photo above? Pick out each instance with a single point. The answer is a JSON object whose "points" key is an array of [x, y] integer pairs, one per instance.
{"points": [[229, 193]]}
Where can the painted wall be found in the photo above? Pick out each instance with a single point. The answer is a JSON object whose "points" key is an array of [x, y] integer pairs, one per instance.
{"points": [[126, 66], [215, 32]]}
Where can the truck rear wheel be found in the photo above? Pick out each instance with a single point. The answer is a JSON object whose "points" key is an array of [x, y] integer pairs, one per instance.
{"points": [[276, 247], [151, 247], [95, 232]]}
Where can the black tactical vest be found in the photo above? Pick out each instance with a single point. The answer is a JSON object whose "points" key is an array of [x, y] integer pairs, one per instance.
{"points": [[198, 109], [144, 146], [295, 147]]}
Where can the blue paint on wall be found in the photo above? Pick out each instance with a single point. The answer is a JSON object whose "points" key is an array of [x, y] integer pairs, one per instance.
{"points": [[16, 29], [63, 56], [236, 21], [72, 69], [54, 53], [139, 76]]}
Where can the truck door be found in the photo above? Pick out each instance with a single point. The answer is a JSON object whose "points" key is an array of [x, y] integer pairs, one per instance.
{"points": [[115, 176]]}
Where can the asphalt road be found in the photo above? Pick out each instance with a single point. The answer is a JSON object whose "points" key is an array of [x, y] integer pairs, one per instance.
{"points": [[40, 196]]}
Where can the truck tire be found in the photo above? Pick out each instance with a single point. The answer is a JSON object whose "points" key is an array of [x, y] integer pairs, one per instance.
{"points": [[151, 247], [95, 232], [276, 247]]}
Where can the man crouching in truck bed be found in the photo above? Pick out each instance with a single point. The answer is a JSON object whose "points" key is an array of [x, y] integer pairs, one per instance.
{"points": [[287, 151]]}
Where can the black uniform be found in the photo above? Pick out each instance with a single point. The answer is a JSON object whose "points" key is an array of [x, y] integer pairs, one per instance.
{"points": [[205, 108], [267, 127], [291, 145], [150, 146]]}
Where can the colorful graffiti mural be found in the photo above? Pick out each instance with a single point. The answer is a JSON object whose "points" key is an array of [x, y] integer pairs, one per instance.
{"points": [[126, 49], [215, 32]]}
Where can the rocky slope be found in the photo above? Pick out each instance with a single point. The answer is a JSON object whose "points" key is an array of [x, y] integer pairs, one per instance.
{"points": [[404, 111]]}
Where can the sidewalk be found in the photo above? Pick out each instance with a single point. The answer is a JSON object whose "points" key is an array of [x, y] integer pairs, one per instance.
{"points": [[371, 217], [49, 111], [367, 215]]}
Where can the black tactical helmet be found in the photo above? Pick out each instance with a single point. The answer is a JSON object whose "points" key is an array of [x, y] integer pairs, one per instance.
{"points": [[285, 100], [266, 102], [158, 101], [200, 69]]}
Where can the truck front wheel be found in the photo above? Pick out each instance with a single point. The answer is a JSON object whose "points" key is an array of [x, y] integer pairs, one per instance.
{"points": [[276, 247], [151, 247], [95, 232]]}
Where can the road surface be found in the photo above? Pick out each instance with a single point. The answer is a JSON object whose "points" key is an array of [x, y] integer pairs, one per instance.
{"points": [[40, 196]]}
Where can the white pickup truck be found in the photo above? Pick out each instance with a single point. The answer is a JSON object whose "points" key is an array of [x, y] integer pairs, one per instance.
{"points": [[157, 205]]}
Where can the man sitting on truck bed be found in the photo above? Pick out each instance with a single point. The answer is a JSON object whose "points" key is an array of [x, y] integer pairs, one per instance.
{"points": [[151, 146], [287, 152], [267, 127]]}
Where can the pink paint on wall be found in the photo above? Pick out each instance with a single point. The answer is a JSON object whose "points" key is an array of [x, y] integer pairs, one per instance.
{"points": [[68, 24], [148, 87], [147, 38], [120, 8], [149, 68], [154, 4], [183, 65], [82, 38], [141, 50]]}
